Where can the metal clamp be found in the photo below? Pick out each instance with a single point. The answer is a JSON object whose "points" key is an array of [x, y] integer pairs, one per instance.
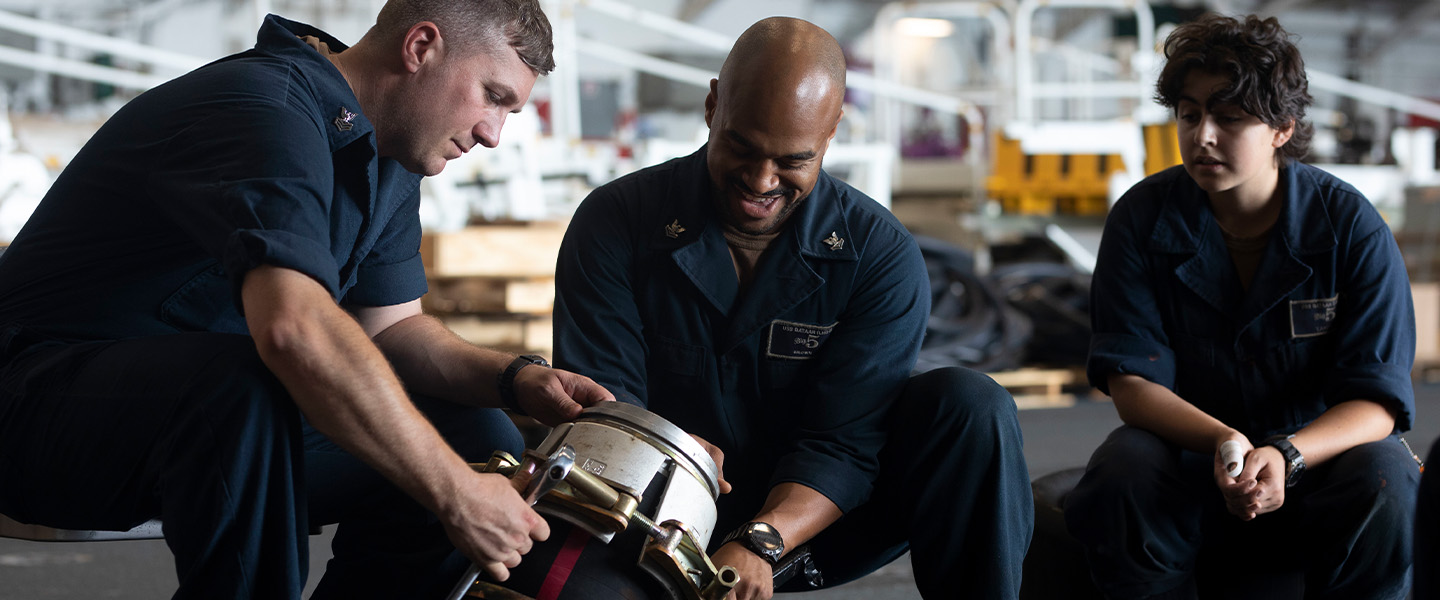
{"points": [[672, 552]]}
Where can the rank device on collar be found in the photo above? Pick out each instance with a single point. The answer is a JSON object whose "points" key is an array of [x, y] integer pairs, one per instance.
{"points": [[346, 120], [673, 230], [835, 242]]}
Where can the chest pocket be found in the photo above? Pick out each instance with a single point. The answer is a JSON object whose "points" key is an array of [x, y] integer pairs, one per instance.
{"points": [[677, 363]]}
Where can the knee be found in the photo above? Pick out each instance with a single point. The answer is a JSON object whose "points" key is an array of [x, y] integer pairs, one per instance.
{"points": [[481, 432], [952, 396], [1381, 478], [1124, 469], [236, 387], [473, 433]]}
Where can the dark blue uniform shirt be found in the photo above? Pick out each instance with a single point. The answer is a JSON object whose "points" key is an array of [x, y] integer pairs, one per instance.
{"points": [[1328, 317], [259, 158], [791, 379]]}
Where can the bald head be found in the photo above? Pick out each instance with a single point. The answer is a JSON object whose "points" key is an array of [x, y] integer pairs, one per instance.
{"points": [[772, 113], [790, 55]]}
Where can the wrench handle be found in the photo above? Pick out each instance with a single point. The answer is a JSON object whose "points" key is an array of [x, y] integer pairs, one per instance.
{"points": [[798, 562]]}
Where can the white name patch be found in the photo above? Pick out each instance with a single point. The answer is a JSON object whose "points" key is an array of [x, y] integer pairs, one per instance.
{"points": [[796, 341], [1309, 318]]}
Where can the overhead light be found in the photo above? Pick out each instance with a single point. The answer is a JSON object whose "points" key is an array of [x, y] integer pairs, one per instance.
{"points": [[930, 28]]}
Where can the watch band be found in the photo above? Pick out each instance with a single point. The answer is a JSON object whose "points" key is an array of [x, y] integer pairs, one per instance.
{"points": [[761, 539], [1294, 461], [506, 382]]}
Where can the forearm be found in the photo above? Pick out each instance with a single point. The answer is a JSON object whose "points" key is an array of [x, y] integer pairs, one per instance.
{"points": [[798, 512], [433, 361], [1154, 408], [1342, 427], [343, 384]]}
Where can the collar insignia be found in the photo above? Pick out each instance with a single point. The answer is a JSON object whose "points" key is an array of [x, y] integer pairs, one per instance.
{"points": [[834, 242], [346, 120], [674, 229]]}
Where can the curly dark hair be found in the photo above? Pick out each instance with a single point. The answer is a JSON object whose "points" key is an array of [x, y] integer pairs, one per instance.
{"points": [[1266, 73]]}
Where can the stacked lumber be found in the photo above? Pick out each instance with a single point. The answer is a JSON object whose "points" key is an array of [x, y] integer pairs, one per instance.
{"points": [[494, 285], [1043, 388], [1426, 299]]}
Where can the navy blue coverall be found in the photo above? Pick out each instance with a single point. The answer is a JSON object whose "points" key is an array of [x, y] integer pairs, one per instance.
{"points": [[129, 386], [1327, 319], [804, 378]]}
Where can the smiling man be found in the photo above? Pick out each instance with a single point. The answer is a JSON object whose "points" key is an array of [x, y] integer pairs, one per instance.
{"points": [[213, 317], [776, 312]]}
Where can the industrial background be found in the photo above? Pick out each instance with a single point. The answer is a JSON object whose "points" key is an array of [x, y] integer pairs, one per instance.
{"points": [[999, 132]]}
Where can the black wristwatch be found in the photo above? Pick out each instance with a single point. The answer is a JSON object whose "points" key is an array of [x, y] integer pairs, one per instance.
{"points": [[1294, 461], [759, 538], [507, 379]]}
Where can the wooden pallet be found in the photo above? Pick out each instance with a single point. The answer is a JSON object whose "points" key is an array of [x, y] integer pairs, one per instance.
{"points": [[1041, 388], [509, 332], [510, 250], [490, 295], [1426, 371]]}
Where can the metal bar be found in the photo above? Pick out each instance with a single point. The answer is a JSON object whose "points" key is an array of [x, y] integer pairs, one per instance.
{"points": [[1082, 258], [644, 62], [94, 41], [1093, 89], [565, 81], [78, 69], [919, 97], [1374, 95], [661, 23]]}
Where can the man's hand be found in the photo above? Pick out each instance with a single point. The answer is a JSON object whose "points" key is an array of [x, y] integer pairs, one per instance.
{"points": [[756, 575], [555, 396], [490, 524], [1260, 488], [717, 455]]}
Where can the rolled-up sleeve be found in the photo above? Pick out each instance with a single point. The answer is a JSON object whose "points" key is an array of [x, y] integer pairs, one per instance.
{"points": [[1127, 334], [393, 272], [250, 248], [1375, 345]]}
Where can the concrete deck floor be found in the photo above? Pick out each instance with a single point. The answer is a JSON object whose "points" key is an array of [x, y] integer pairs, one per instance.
{"points": [[1055, 439]]}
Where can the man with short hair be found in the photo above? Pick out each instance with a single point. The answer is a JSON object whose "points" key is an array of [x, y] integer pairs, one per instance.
{"points": [[758, 303], [213, 317]]}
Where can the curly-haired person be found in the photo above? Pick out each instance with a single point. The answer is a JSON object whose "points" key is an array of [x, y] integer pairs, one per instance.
{"points": [[1246, 297]]}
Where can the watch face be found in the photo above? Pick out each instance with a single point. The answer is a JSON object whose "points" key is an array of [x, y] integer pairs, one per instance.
{"points": [[761, 539], [767, 538]]}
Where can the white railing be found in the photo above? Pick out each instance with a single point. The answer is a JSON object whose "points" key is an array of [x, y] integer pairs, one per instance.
{"points": [[43, 62], [874, 162], [1028, 90], [1374, 95]]}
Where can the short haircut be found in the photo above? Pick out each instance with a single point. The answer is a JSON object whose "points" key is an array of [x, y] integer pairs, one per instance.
{"points": [[1266, 73], [470, 24]]}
